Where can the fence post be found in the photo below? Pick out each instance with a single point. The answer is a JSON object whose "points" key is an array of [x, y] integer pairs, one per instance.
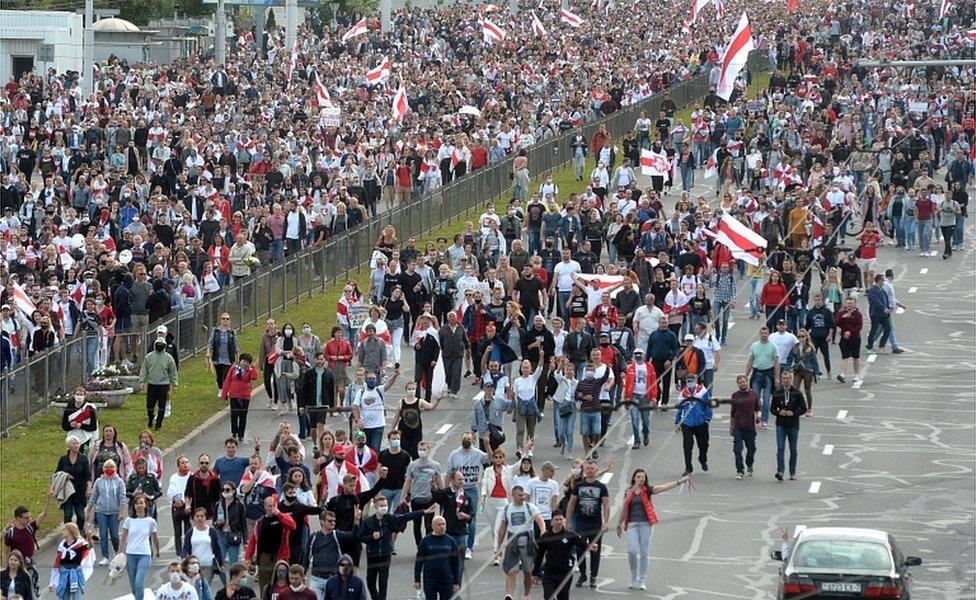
{"points": [[4, 395]]}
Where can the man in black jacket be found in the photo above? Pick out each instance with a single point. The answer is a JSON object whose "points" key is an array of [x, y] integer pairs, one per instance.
{"points": [[578, 345], [820, 324], [325, 548], [317, 394], [454, 342], [558, 550], [457, 508], [788, 405]]}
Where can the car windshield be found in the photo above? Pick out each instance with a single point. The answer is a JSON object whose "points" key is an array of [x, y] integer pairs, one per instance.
{"points": [[842, 555]]}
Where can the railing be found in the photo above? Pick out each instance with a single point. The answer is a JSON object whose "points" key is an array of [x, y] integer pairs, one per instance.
{"points": [[27, 388]]}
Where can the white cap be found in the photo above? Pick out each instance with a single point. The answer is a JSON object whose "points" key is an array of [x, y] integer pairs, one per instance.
{"points": [[162, 329]]}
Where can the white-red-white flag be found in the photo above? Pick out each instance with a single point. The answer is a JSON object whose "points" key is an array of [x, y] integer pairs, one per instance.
{"points": [[570, 18], [910, 9], [735, 58], [358, 29], [322, 97], [537, 26], [400, 106], [944, 8], [744, 243], [293, 62], [654, 164], [696, 8], [711, 165], [719, 9], [23, 301], [971, 35], [379, 73], [491, 32]]}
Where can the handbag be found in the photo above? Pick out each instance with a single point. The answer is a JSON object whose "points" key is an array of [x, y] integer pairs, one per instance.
{"points": [[496, 437], [234, 539]]}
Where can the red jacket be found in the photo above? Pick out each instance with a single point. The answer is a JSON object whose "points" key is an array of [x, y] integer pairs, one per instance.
{"points": [[849, 321], [773, 295], [238, 385], [631, 375], [284, 552], [648, 506]]}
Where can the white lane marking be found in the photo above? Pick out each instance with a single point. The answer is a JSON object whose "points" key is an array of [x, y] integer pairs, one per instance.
{"points": [[841, 414], [605, 478], [872, 358], [828, 449], [956, 334], [923, 271], [731, 324], [912, 290], [444, 428], [814, 487]]}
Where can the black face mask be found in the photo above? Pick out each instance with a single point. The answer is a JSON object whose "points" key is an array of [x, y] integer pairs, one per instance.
{"points": [[466, 444], [604, 344], [338, 459]]}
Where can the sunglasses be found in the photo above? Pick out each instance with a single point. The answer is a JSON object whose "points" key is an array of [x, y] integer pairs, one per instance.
{"points": [[203, 462]]}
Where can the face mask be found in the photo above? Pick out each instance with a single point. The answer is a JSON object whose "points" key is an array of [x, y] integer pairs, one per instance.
{"points": [[79, 398], [289, 331], [193, 568], [297, 588], [338, 459], [110, 472], [160, 347], [175, 577], [421, 454], [577, 471], [371, 383], [289, 498], [227, 495], [306, 330], [344, 570], [282, 574], [604, 344], [395, 444], [691, 383], [242, 581], [466, 444], [382, 510]]}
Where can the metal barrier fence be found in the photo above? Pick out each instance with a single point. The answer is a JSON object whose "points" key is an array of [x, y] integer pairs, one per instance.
{"points": [[27, 388]]}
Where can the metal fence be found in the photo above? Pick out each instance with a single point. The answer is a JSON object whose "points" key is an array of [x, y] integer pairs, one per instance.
{"points": [[27, 388]]}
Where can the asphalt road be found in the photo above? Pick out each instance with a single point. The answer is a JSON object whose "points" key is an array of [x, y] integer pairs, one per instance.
{"points": [[895, 452]]}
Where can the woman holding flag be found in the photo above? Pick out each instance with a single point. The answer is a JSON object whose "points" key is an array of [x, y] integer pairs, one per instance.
{"points": [[80, 418]]}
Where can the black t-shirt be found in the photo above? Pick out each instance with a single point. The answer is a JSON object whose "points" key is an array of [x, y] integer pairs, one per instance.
{"points": [[390, 281], [409, 281], [534, 216], [269, 539], [663, 127], [589, 504], [528, 290], [244, 593], [396, 465], [700, 306]]}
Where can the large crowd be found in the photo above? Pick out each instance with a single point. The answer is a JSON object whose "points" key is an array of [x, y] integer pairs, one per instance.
{"points": [[582, 308]]}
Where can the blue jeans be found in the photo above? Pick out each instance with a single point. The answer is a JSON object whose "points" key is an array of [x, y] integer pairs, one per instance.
{"points": [[687, 178], [899, 228], [137, 565], [564, 430], [374, 437], [784, 434], [562, 298], [957, 234], [473, 525], [640, 417], [231, 553], [925, 236], [910, 226], [91, 353], [762, 384], [317, 585], [744, 437], [276, 251], [880, 326], [589, 424], [755, 291], [795, 318], [351, 335], [722, 317], [108, 526], [392, 497], [535, 241]]}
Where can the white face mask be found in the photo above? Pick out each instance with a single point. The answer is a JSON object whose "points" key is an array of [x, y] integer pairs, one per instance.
{"points": [[193, 568], [577, 471], [175, 577], [382, 510], [421, 453], [79, 398]]}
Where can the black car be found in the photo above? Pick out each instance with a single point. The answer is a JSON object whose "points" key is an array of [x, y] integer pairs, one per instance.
{"points": [[840, 563]]}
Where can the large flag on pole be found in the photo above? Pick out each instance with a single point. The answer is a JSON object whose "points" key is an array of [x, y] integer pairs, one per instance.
{"points": [[719, 10], [22, 300], [492, 33], [696, 8], [358, 29], [293, 62], [735, 58], [378, 73], [570, 18], [744, 243], [400, 106], [944, 8], [537, 26], [654, 164]]}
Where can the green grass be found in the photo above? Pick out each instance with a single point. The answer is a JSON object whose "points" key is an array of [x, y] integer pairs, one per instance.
{"points": [[30, 454]]}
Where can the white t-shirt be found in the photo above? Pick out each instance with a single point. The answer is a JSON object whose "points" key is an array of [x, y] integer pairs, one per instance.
{"points": [[167, 592], [784, 344], [640, 378], [371, 410], [200, 545], [563, 271], [647, 319], [541, 494], [140, 530], [709, 346], [519, 518]]}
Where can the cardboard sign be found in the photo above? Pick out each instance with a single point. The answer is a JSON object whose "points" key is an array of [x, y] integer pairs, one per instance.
{"points": [[331, 117]]}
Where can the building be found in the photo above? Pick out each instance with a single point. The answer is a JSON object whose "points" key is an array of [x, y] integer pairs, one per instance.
{"points": [[124, 40], [25, 34]]}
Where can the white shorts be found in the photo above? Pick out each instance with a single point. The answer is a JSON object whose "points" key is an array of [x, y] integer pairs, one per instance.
{"points": [[867, 264]]}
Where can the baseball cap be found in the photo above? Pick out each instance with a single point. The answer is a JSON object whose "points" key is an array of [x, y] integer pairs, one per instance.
{"points": [[689, 337], [338, 450], [638, 351], [162, 329]]}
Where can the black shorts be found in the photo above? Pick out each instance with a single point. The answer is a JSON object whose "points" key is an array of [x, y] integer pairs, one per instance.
{"points": [[316, 416], [850, 347]]}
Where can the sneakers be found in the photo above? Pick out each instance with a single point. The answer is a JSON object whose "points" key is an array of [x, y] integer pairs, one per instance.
{"points": [[496, 562], [582, 581], [467, 554], [647, 439], [792, 477], [593, 584], [897, 350], [749, 472], [642, 584], [704, 466], [633, 585], [103, 562], [841, 379], [778, 476], [738, 476]]}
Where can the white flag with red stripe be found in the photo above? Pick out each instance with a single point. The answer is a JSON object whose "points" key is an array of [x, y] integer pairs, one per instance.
{"points": [[293, 62], [944, 8], [719, 9], [696, 8], [603, 282], [570, 18], [744, 243], [537, 26], [654, 164], [491, 32], [971, 35], [379, 73], [322, 95], [910, 9], [711, 165], [400, 106], [23, 301], [358, 29], [735, 58]]}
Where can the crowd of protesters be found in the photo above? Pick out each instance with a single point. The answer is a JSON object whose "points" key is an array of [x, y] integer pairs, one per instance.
{"points": [[579, 307]]}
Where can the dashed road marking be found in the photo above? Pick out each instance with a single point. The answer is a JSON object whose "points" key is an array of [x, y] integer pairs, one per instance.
{"points": [[912, 290], [444, 428], [841, 414], [814, 487], [731, 324], [828, 449], [606, 477], [872, 358], [923, 271]]}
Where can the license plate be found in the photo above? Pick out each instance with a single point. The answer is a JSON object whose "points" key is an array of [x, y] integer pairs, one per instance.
{"points": [[838, 586]]}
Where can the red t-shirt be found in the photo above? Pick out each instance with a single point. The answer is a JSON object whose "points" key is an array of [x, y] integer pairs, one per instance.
{"points": [[404, 176], [869, 245], [21, 539], [498, 490]]}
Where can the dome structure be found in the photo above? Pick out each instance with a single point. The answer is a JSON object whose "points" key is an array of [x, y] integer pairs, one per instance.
{"points": [[115, 25]]}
